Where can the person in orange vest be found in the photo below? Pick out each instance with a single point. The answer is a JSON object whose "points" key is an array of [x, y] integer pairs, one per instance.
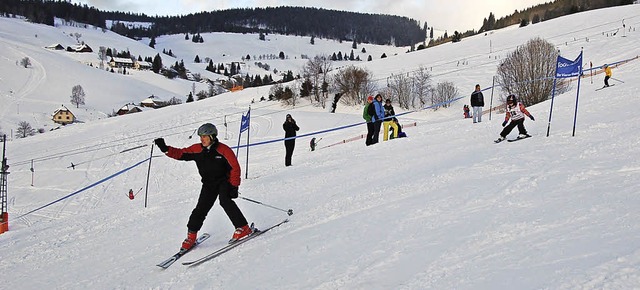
{"points": [[607, 74]]}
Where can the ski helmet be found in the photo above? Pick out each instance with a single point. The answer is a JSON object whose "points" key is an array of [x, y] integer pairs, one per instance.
{"points": [[207, 129], [512, 98]]}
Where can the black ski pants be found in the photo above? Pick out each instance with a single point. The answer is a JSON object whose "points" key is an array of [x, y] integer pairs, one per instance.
{"points": [[208, 195], [513, 124], [376, 131], [369, 133], [289, 145]]}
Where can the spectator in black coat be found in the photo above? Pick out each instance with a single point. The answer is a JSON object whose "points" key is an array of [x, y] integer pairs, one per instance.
{"points": [[290, 129], [477, 102]]}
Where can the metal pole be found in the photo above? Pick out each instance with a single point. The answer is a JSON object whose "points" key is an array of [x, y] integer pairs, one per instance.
{"points": [[289, 211], [491, 102], [246, 172], [146, 191], [4, 218], [553, 94], [577, 96], [32, 172]]}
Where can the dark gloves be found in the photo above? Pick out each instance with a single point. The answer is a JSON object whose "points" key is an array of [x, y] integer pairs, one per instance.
{"points": [[228, 189], [233, 191], [531, 117], [161, 145], [504, 123]]}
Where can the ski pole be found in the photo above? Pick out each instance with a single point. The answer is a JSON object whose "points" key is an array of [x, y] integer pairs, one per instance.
{"points": [[289, 212], [617, 80]]}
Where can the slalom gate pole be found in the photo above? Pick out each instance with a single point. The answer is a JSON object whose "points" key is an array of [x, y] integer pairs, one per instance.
{"points": [[146, 191], [289, 211]]}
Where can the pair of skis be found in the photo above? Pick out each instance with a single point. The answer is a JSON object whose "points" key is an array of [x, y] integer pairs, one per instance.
{"points": [[605, 87], [256, 232], [513, 140]]}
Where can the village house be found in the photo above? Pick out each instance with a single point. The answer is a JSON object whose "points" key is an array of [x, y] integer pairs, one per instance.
{"points": [[128, 109], [56, 46], [142, 65], [79, 48], [120, 62], [63, 116], [153, 102]]}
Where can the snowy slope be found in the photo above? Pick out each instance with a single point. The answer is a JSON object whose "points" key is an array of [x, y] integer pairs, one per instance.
{"points": [[445, 208], [32, 94]]}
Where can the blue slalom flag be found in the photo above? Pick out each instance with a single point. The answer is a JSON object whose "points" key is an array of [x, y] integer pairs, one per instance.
{"points": [[244, 124], [568, 68]]}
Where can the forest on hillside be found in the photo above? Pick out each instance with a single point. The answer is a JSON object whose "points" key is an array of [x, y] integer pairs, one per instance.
{"points": [[322, 23], [531, 15]]}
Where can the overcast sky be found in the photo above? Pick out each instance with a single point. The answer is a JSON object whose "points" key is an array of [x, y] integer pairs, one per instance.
{"points": [[451, 15]]}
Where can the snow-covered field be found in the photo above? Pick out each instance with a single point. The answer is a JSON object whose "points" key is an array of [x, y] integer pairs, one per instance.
{"points": [[445, 208]]}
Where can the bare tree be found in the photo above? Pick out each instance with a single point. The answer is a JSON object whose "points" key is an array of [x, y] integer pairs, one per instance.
{"points": [[174, 101], [77, 95], [444, 93], [25, 130], [421, 87], [77, 36], [326, 65], [400, 89], [528, 72], [102, 55], [355, 83], [25, 62], [316, 70]]}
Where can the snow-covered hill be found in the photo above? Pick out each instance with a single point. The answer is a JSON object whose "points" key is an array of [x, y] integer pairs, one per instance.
{"points": [[32, 94], [445, 208]]}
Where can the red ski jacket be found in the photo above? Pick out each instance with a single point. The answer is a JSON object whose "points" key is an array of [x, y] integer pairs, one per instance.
{"points": [[215, 164]]}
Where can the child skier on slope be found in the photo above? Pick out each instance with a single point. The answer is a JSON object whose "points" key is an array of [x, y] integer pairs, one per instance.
{"points": [[220, 173], [516, 112]]}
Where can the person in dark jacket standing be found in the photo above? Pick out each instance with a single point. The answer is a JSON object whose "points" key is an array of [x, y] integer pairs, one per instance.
{"points": [[376, 111], [220, 173], [477, 102], [290, 129], [367, 117], [389, 121]]}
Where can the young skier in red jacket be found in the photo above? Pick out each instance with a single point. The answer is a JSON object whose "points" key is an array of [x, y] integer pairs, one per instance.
{"points": [[220, 172]]}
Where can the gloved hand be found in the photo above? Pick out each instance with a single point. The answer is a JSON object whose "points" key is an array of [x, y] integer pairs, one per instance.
{"points": [[531, 117], [228, 189], [161, 145], [233, 191], [504, 123]]}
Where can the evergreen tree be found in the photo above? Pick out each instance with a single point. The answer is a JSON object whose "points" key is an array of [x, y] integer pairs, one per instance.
{"points": [[305, 91], [369, 58], [351, 56], [210, 67], [152, 43], [190, 98], [313, 39], [354, 45], [197, 59], [156, 65]]}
